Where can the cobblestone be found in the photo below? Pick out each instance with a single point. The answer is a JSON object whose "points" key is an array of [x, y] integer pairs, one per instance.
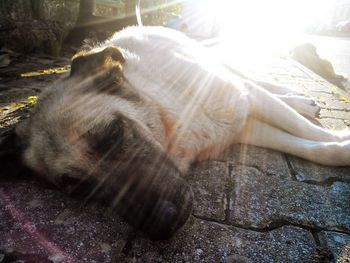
{"points": [[209, 182], [270, 162], [310, 172], [343, 115], [262, 202], [44, 222], [212, 242]]}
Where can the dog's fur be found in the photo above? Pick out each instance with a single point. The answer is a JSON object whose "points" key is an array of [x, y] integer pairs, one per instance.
{"points": [[140, 108]]}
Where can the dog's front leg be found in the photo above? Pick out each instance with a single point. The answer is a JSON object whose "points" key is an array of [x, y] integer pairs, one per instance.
{"points": [[264, 135], [277, 89], [274, 111], [305, 106]]}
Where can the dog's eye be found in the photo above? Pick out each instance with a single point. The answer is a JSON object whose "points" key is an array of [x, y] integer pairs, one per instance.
{"points": [[67, 179], [108, 139]]}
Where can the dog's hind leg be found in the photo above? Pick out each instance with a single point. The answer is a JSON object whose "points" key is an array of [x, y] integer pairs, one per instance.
{"points": [[264, 135], [272, 110]]}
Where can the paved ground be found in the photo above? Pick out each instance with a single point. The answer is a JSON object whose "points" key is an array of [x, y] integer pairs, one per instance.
{"points": [[253, 205]]}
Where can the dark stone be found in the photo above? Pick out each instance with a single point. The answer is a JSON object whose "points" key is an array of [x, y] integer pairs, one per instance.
{"points": [[204, 241], [210, 183], [270, 162], [262, 202], [46, 223], [311, 172]]}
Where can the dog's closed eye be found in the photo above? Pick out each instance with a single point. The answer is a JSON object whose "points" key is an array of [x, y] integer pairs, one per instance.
{"points": [[106, 139]]}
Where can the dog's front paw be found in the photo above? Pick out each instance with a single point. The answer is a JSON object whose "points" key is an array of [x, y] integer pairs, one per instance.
{"points": [[309, 108], [305, 106], [342, 135]]}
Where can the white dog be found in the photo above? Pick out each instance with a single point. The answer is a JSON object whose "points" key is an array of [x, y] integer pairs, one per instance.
{"points": [[138, 109]]}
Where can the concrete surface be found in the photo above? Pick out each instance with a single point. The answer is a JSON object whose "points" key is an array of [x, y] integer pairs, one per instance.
{"points": [[251, 205]]}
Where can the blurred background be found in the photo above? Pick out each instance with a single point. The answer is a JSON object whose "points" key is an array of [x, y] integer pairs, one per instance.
{"points": [[314, 32]]}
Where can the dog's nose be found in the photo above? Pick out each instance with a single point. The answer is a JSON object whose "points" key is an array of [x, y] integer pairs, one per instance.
{"points": [[169, 215], [168, 211], [166, 223]]}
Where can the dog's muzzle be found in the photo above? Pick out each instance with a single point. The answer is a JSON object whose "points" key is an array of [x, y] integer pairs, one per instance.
{"points": [[148, 193], [157, 200]]}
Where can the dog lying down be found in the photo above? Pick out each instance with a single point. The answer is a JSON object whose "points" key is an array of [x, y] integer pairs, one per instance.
{"points": [[137, 110]]}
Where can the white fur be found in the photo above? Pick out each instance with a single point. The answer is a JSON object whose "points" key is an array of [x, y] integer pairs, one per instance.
{"points": [[211, 106]]}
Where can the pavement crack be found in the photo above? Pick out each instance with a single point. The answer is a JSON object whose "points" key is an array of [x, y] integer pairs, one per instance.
{"points": [[128, 244], [278, 223], [244, 165], [209, 219], [273, 225], [334, 118], [315, 236], [290, 167], [327, 182], [335, 109], [241, 226], [229, 192], [324, 254]]}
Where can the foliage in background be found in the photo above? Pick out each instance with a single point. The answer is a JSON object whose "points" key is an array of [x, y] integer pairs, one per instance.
{"points": [[162, 10]]}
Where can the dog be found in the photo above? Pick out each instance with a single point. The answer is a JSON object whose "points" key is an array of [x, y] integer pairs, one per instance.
{"points": [[138, 109]]}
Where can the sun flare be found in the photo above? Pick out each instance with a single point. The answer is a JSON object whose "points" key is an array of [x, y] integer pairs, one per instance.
{"points": [[272, 23], [269, 15]]}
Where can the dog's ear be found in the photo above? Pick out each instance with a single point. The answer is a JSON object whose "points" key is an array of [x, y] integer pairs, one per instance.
{"points": [[89, 63]]}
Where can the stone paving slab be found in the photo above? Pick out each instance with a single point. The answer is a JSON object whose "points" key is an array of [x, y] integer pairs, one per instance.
{"points": [[44, 222], [210, 184], [269, 162], [335, 104], [342, 115], [64, 229], [204, 241], [314, 173], [261, 202], [333, 124]]}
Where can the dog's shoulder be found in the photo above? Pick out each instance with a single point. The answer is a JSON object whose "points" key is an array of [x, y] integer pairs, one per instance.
{"points": [[151, 35]]}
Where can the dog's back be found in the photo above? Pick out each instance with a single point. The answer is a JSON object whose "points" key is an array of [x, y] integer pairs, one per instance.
{"points": [[201, 104]]}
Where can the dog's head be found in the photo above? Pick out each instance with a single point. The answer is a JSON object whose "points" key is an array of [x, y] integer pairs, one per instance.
{"points": [[94, 134]]}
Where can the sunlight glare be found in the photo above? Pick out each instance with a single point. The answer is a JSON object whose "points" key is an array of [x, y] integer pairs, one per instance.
{"points": [[269, 15], [267, 23]]}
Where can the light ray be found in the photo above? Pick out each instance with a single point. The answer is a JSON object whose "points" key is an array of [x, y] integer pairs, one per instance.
{"points": [[248, 25], [34, 233]]}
